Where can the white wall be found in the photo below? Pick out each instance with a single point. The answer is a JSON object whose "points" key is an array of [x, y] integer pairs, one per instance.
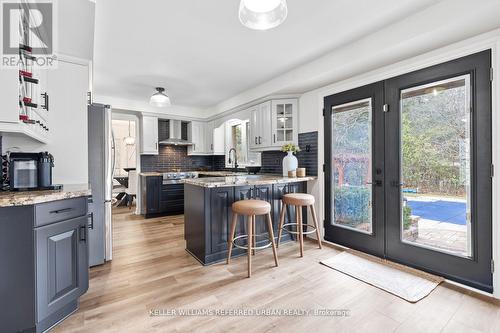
{"points": [[75, 28]]}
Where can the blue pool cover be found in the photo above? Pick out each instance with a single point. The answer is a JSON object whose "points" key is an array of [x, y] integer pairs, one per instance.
{"points": [[439, 210]]}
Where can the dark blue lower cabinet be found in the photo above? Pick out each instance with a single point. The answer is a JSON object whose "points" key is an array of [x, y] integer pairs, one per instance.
{"points": [[62, 274], [43, 263]]}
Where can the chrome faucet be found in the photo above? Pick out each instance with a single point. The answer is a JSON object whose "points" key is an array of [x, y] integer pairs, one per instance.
{"points": [[235, 162]]}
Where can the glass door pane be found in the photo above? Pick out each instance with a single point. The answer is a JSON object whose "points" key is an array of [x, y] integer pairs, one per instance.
{"points": [[351, 165], [436, 166]]}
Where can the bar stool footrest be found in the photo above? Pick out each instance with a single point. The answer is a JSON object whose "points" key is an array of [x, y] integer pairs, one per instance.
{"points": [[245, 247], [309, 229]]}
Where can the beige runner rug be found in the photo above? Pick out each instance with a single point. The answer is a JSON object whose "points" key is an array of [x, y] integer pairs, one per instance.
{"points": [[403, 281]]}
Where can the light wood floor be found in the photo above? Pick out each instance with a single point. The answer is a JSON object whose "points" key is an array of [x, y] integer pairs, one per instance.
{"points": [[151, 270]]}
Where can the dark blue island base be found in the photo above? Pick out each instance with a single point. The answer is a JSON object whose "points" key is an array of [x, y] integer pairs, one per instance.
{"points": [[208, 214]]}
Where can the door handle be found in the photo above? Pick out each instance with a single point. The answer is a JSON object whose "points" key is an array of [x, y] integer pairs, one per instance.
{"points": [[91, 220], [274, 138], [376, 183], [65, 210], [260, 140], [45, 105], [83, 233], [397, 183], [255, 140]]}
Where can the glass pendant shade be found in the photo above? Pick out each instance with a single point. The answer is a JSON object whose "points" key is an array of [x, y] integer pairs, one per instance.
{"points": [[129, 140], [262, 14], [159, 99]]}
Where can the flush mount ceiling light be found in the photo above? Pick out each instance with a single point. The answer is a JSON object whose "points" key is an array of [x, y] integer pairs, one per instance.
{"points": [[262, 14], [159, 98]]}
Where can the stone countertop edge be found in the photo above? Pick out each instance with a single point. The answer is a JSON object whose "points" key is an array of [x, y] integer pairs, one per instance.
{"points": [[150, 174], [26, 198], [206, 173], [233, 181]]}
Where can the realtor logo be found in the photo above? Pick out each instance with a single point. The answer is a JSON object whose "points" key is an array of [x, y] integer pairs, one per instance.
{"points": [[28, 25]]}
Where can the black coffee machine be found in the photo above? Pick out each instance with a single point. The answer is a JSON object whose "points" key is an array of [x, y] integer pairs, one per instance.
{"points": [[31, 171]]}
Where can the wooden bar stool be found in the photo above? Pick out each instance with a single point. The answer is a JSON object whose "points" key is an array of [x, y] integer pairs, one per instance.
{"points": [[299, 200], [251, 208]]}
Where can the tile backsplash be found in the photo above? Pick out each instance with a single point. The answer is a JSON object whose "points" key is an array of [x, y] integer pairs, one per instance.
{"points": [[171, 158], [272, 161]]}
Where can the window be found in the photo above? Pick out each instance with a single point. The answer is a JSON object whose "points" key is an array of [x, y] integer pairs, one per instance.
{"points": [[237, 134]]}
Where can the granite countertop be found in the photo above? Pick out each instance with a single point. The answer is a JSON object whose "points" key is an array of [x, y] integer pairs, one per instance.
{"points": [[150, 174], [204, 173], [221, 173], [245, 180], [25, 198]]}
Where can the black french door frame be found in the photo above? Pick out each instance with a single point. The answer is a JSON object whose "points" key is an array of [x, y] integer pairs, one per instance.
{"points": [[386, 239], [474, 271], [370, 243]]}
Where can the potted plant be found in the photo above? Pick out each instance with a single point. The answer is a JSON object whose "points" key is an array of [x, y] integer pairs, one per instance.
{"points": [[290, 162]]}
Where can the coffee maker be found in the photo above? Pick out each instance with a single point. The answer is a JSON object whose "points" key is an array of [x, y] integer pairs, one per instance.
{"points": [[31, 171]]}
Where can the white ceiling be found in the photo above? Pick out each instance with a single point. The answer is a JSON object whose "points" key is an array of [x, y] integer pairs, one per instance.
{"points": [[202, 55]]}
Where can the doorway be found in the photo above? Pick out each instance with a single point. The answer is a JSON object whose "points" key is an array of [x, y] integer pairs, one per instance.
{"points": [[408, 169]]}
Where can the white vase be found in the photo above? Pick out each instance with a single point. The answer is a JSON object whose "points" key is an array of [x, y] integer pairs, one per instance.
{"points": [[290, 163]]}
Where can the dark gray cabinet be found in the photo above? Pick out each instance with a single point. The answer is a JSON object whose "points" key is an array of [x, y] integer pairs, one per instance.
{"points": [[221, 200], [43, 263], [161, 199], [61, 264], [171, 199], [208, 216], [151, 187]]}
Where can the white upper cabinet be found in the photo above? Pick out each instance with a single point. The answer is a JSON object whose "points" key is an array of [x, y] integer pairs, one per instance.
{"points": [[149, 133], [284, 122], [254, 127], [209, 137], [218, 140], [260, 126], [206, 138], [273, 124], [196, 135]]}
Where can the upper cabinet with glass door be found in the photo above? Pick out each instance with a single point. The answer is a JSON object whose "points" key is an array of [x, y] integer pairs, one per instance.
{"points": [[284, 122], [273, 124]]}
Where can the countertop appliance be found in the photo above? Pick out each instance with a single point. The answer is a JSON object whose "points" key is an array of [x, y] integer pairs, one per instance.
{"points": [[101, 165], [31, 171]]}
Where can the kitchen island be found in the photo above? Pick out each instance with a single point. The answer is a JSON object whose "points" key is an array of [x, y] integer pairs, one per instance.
{"points": [[208, 214]]}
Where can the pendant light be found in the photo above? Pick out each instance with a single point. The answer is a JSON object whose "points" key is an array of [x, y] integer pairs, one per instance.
{"points": [[159, 98], [262, 14], [129, 140]]}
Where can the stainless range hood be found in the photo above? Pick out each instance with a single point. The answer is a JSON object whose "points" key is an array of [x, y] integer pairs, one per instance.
{"points": [[178, 134]]}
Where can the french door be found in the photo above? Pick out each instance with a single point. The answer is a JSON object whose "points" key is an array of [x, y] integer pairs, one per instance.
{"points": [[408, 169]]}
